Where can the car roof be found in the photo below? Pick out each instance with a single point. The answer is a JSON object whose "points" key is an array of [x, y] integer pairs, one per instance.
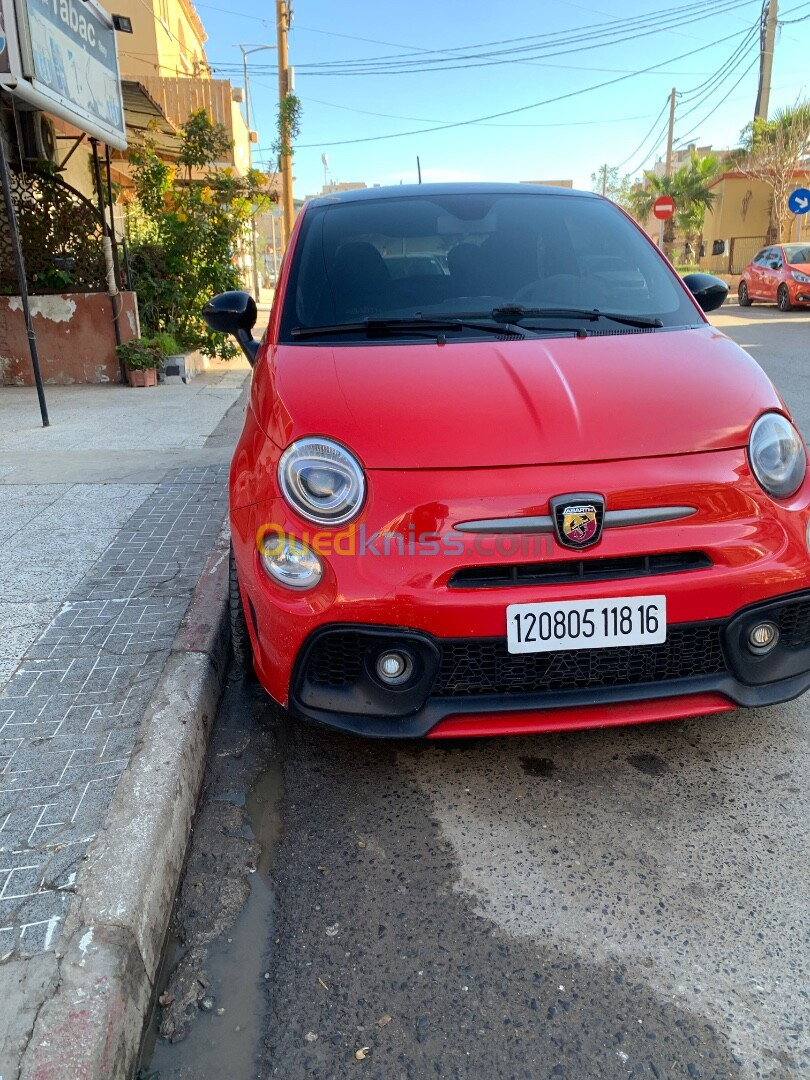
{"points": [[400, 191]]}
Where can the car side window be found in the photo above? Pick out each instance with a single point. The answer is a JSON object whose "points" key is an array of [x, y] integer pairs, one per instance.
{"points": [[759, 258], [775, 260]]}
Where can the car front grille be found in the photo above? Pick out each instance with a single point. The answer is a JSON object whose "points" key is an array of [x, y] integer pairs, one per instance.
{"points": [[337, 658], [479, 666], [573, 571], [486, 667], [794, 626]]}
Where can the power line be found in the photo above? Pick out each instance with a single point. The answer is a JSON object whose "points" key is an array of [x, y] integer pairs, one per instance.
{"points": [[646, 137], [524, 108], [729, 62], [659, 138], [433, 120], [703, 120], [659, 20], [543, 47]]}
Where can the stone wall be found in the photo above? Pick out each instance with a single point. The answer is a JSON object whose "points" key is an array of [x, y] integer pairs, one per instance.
{"points": [[75, 338]]}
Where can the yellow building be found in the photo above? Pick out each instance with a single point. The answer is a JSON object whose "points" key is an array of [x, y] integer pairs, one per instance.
{"points": [[165, 55], [167, 39], [737, 225]]}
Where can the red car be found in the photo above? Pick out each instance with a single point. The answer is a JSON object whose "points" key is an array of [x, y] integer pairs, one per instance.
{"points": [[779, 274], [534, 493]]}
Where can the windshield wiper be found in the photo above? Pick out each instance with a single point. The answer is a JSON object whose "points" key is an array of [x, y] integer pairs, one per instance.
{"points": [[415, 325], [515, 313]]}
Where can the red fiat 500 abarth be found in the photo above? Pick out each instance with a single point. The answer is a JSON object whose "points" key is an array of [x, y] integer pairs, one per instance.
{"points": [[519, 485]]}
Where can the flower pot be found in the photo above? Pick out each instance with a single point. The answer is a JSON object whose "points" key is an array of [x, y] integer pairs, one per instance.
{"points": [[142, 376]]}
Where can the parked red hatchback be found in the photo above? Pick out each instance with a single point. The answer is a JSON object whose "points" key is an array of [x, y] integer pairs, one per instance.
{"points": [[538, 491], [779, 275]]}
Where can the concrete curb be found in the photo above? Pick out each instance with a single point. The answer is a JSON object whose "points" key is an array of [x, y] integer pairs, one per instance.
{"points": [[91, 1026]]}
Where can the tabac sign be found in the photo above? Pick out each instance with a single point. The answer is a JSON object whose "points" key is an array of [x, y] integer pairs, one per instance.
{"points": [[61, 56]]}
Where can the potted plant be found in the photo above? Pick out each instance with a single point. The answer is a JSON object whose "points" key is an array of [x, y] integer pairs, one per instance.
{"points": [[141, 361], [173, 366]]}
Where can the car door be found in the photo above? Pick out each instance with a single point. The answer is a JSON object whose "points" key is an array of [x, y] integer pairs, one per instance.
{"points": [[772, 273], [753, 275]]}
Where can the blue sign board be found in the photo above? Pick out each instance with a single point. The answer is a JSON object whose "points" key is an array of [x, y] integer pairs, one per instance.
{"points": [[799, 201]]}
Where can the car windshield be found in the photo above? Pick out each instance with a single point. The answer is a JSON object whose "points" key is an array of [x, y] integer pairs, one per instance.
{"points": [[469, 254], [797, 253]]}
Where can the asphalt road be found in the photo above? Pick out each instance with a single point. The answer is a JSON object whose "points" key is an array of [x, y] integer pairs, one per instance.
{"points": [[617, 903]]}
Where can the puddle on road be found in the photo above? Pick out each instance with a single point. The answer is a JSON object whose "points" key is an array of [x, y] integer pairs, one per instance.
{"points": [[225, 1046]]}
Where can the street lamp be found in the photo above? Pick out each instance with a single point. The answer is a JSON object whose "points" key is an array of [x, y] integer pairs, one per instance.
{"points": [[246, 52]]}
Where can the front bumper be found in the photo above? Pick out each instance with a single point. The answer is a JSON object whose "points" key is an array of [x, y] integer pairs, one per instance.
{"points": [[702, 667], [749, 551]]}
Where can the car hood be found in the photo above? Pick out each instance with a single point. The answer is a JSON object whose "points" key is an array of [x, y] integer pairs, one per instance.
{"points": [[803, 268], [518, 402]]}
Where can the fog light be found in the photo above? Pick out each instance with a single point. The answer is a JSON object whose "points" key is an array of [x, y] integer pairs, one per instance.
{"points": [[394, 667], [291, 563], [762, 637]]}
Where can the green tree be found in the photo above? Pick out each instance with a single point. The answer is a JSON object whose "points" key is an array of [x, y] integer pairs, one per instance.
{"points": [[773, 151], [185, 234], [689, 189], [696, 198], [617, 188]]}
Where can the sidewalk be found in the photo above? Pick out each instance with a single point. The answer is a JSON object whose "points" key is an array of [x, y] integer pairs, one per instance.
{"points": [[107, 519]]}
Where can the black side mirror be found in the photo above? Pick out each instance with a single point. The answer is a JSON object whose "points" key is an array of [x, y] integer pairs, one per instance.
{"points": [[708, 290], [234, 313]]}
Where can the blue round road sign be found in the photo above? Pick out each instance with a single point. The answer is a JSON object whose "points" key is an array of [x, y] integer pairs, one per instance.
{"points": [[799, 201]]}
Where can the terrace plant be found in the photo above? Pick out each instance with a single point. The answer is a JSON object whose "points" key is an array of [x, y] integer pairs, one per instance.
{"points": [[186, 229]]}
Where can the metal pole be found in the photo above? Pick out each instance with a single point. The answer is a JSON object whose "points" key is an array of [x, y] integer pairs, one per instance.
{"points": [[604, 180], [670, 136], [113, 237], [19, 262], [767, 40], [111, 285], [254, 260], [418, 169], [282, 26]]}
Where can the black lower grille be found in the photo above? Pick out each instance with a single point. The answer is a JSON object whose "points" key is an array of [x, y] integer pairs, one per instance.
{"points": [[337, 658], [573, 571], [484, 666], [794, 626]]}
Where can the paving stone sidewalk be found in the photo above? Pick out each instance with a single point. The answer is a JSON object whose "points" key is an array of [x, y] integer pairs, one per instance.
{"points": [[70, 713]]}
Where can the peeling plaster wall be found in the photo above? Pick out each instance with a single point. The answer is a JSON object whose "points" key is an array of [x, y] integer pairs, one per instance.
{"points": [[75, 338]]}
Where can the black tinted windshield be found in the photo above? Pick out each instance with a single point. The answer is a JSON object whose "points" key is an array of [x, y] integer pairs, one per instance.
{"points": [[470, 253]]}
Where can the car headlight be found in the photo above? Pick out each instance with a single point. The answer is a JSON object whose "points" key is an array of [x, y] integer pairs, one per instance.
{"points": [[322, 481], [777, 455], [799, 276], [290, 562]]}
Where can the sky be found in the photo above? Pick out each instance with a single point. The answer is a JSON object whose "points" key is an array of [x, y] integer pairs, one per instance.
{"points": [[705, 51]]}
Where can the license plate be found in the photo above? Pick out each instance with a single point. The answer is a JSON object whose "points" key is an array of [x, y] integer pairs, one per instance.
{"points": [[586, 624]]}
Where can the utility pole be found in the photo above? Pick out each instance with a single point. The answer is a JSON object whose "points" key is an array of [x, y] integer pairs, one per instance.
{"points": [[283, 17], [604, 179], [767, 40], [246, 51], [671, 131], [668, 165]]}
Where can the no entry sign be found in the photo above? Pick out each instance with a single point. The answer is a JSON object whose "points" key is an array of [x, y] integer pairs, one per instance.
{"points": [[664, 207]]}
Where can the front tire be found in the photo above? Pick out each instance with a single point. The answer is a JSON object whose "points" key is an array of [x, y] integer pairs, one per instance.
{"points": [[742, 295], [783, 299], [241, 646]]}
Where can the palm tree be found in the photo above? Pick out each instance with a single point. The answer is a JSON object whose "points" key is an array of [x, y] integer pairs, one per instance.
{"points": [[774, 151], [690, 191], [696, 198]]}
